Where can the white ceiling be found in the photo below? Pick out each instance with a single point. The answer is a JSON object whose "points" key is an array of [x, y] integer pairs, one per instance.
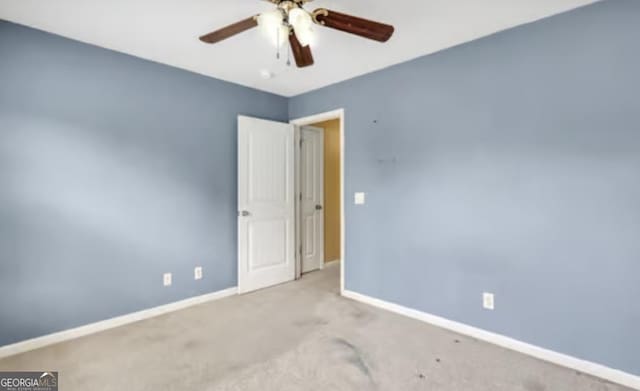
{"points": [[166, 31]]}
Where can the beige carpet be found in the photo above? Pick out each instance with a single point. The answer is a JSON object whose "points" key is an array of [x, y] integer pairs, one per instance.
{"points": [[297, 336]]}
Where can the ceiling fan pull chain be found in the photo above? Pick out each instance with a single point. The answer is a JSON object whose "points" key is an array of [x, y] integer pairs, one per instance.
{"points": [[278, 43]]}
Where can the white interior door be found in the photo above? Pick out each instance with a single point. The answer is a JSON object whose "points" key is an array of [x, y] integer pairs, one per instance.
{"points": [[266, 206], [311, 197]]}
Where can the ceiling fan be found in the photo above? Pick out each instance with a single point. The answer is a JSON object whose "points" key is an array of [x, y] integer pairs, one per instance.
{"points": [[291, 21]]}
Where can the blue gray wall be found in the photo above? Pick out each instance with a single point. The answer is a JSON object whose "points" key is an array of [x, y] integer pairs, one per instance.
{"points": [[113, 170], [508, 165]]}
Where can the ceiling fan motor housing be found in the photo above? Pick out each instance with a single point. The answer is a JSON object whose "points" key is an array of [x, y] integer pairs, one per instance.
{"points": [[288, 5], [295, 2]]}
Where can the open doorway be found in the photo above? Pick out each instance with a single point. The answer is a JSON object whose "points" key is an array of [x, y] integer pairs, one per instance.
{"points": [[331, 188], [320, 192]]}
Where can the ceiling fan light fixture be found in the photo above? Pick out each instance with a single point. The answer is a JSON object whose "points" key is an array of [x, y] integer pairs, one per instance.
{"points": [[272, 26], [302, 23]]}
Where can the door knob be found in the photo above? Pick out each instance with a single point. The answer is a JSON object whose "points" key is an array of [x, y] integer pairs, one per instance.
{"points": [[244, 213], [318, 207]]}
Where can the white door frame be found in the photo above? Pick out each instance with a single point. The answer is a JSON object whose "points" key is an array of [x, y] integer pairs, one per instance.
{"points": [[310, 120]]}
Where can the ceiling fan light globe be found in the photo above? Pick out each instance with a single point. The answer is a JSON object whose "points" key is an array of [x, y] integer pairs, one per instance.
{"points": [[272, 27], [302, 24]]}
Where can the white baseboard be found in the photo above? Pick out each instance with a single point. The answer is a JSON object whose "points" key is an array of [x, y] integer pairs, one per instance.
{"points": [[50, 339], [601, 371]]}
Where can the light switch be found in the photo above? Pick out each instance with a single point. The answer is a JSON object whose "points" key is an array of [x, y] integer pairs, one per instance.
{"points": [[488, 301], [359, 198]]}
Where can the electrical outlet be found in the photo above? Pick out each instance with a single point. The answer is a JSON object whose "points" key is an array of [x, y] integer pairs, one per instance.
{"points": [[197, 273], [166, 279], [488, 302], [358, 198]]}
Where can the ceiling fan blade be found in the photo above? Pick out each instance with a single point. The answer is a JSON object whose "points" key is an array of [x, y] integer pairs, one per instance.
{"points": [[302, 54], [351, 24], [230, 31]]}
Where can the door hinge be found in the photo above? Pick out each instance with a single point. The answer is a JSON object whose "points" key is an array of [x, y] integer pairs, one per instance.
{"points": [[301, 143], [300, 196]]}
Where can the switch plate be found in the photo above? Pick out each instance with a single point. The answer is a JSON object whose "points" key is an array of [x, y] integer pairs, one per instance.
{"points": [[197, 273], [488, 301], [358, 198], [166, 279]]}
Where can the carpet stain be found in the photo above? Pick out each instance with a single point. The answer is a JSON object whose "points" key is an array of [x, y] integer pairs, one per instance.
{"points": [[190, 345], [359, 314], [362, 315], [355, 357]]}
